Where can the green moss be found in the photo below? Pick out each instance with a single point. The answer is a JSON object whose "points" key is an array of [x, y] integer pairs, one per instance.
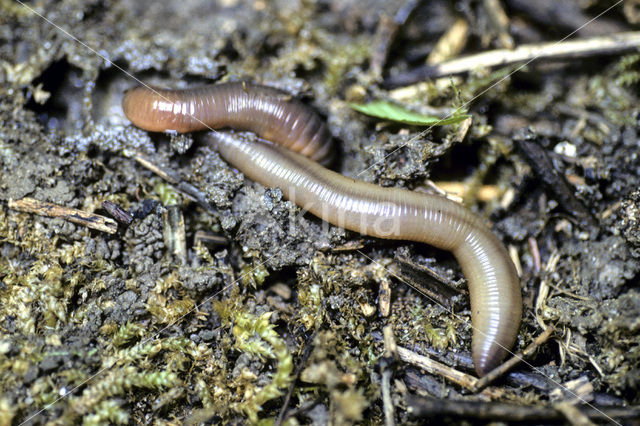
{"points": [[128, 332], [253, 275], [255, 335], [118, 382], [167, 194], [107, 412], [166, 313]]}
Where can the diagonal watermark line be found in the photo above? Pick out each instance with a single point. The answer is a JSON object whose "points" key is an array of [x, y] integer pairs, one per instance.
{"points": [[424, 132], [144, 342], [515, 355]]}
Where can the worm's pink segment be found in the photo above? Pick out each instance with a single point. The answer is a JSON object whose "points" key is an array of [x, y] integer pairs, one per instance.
{"points": [[270, 113]]}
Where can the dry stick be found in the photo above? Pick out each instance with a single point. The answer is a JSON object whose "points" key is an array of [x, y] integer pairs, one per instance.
{"points": [[386, 33], [500, 21], [390, 352], [507, 365], [43, 208], [174, 178], [571, 49], [434, 367], [465, 380], [174, 233], [460, 190], [451, 43], [495, 411], [209, 238], [572, 414]]}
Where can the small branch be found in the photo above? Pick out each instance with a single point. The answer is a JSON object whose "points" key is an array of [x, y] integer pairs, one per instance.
{"points": [[465, 380], [427, 281], [174, 178], [117, 212], [209, 238], [42, 208], [530, 148], [500, 22], [451, 43], [484, 193], [174, 233], [390, 353], [510, 363], [496, 411], [167, 174], [572, 49], [434, 367], [573, 414]]}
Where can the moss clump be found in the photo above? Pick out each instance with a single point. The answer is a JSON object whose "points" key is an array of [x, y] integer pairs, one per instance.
{"points": [[256, 336], [108, 411], [119, 382], [628, 69]]}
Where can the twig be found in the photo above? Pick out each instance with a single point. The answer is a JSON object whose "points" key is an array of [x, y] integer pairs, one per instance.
{"points": [[117, 212], [174, 233], [500, 22], [483, 193], [555, 183], [166, 174], [465, 380], [43, 208], [572, 414], [390, 353], [209, 238], [507, 365], [174, 178], [566, 15], [386, 34], [427, 281], [573, 391], [602, 45], [495, 411], [450, 44], [435, 367]]}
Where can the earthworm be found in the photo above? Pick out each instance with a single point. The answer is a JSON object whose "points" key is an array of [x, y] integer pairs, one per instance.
{"points": [[270, 113], [393, 213]]}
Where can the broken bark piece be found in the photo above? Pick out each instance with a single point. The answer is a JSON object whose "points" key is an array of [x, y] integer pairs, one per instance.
{"points": [[174, 233], [43, 208], [428, 282], [554, 182], [500, 411], [117, 212]]}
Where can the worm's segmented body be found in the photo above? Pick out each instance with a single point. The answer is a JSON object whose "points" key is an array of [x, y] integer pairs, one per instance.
{"points": [[496, 300]]}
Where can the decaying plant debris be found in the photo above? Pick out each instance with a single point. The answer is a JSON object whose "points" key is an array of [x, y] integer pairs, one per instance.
{"points": [[137, 327]]}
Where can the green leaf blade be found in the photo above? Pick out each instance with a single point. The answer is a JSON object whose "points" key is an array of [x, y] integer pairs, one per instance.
{"points": [[394, 112]]}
